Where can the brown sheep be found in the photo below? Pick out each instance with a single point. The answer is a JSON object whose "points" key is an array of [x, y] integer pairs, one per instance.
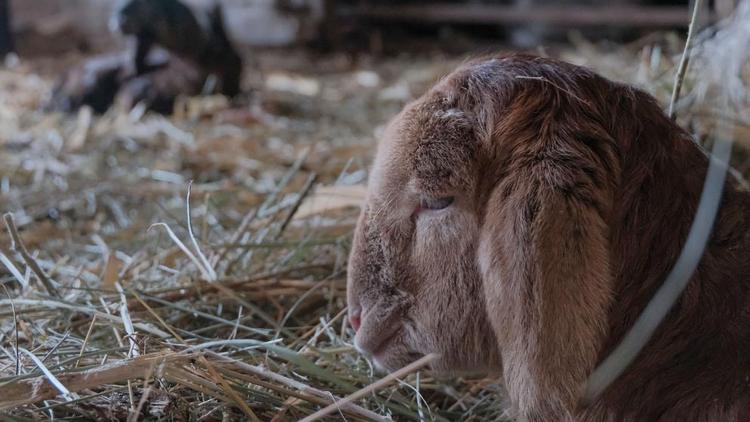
{"points": [[520, 215]]}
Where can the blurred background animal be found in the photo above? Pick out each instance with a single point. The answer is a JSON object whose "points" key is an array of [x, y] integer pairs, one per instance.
{"points": [[167, 23], [159, 88], [96, 81], [173, 26], [93, 83], [175, 53]]}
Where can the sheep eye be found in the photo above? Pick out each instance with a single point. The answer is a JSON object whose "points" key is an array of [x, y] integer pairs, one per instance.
{"points": [[435, 203]]}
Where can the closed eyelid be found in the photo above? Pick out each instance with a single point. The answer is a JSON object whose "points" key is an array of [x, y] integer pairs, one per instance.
{"points": [[436, 203]]}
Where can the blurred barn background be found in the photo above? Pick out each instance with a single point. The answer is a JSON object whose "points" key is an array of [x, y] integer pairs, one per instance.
{"points": [[104, 266], [50, 26]]}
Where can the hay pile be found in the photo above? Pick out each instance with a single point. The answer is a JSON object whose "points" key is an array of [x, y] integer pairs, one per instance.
{"points": [[129, 293], [129, 313]]}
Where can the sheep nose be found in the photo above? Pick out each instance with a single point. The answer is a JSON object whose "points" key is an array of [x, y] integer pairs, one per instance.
{"points": [[355, 319]]}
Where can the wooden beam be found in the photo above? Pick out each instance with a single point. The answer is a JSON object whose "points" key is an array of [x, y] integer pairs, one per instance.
{"points": [[573, 15], [6, 35]]}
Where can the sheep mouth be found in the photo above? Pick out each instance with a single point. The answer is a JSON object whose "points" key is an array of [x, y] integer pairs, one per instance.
{"points": [[372, 343], [393, 352], [381, 348]]}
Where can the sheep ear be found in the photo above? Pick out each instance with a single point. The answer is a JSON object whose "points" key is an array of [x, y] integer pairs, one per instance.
{"points": [[544, 256]]}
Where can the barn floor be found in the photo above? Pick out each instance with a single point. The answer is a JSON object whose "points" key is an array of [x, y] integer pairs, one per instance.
{"points": [[101, 205]]}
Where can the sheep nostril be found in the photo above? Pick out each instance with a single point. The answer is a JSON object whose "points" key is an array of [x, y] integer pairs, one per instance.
{"points": [[355, 320]]}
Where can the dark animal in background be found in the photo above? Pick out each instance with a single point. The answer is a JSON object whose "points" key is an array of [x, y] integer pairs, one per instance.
{"points": [[168, 23], [173, 26], [221, 59], [175, 55], [96, 82], [520, 216], [160, 88]]}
